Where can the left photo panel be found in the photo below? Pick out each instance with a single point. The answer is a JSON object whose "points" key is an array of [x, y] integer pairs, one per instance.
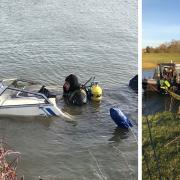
{"points": [[69, 90]]}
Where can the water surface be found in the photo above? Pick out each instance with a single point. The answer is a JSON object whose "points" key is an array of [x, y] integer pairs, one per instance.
{"points": [[48, 40]]}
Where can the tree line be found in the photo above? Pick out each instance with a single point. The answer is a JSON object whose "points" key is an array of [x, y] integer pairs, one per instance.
{"points": [[171, 47]]}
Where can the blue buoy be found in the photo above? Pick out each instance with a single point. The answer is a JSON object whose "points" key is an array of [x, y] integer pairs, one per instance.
{"points": [[119, 118]]}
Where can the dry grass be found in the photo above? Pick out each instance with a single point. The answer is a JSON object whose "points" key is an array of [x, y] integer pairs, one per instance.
{"points": [[150, 60], [165, 130]]}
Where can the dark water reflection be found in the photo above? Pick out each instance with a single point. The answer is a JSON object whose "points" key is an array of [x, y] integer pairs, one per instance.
{"points": [[119, 134]]}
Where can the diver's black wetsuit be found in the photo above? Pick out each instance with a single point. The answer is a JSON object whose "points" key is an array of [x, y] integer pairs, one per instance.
{"points": [[75, 95]]}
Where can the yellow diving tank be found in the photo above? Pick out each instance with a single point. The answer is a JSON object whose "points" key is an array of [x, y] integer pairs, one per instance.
{"points": [[96, 92]]}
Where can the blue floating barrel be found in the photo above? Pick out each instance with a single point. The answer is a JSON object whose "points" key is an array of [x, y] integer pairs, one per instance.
{"points": [[119, 118]]}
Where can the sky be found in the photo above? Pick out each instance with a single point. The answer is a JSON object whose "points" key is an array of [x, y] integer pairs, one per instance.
{"points": [[160, 22]]}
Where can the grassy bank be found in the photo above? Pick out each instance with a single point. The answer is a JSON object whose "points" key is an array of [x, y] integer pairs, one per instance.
{"points": [[149, 60], [165, 129]]}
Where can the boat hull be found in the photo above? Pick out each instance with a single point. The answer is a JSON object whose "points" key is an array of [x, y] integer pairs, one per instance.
{"points": [[150, 85], [16, 101], [28, 111], [48, 110]]}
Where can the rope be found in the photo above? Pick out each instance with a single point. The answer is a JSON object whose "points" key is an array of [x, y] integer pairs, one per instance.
{"points": [[174, 95], [93, 157], [153, 147], [120, 152], [133, 135], [173, 141]]}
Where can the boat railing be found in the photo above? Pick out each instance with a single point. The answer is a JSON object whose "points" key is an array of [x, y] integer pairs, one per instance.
{"points": [[36, 94]]}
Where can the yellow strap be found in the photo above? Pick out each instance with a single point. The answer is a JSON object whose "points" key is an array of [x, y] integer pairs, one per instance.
{"points": [[174, 95], [167, 83]]}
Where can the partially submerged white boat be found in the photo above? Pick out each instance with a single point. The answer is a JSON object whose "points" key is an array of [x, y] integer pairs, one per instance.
{"points": [[17, 98]]}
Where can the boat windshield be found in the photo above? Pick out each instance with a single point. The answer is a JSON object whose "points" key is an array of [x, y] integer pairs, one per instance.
{"points": [[8, 82], [14, 89], [18, 83], [13, 96]]}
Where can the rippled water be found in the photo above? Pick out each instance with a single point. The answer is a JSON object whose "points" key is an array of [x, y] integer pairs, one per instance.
{"points": [[48, 40]]}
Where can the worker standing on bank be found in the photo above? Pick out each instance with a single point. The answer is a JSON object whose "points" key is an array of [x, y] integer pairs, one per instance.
{"points": [[164, 84]]}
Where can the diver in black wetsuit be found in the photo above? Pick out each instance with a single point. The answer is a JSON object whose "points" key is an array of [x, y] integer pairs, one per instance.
{"points": [[73, 92]]}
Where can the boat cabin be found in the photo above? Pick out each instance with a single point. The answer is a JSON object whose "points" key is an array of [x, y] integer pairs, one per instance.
{"points": [[166, 71]]}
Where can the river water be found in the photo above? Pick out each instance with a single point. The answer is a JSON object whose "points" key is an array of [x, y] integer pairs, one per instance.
{"points": [[46, 41]]}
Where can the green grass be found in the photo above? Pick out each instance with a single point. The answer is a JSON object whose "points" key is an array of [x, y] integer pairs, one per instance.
{"points": [[164, 128], [149, 60]]}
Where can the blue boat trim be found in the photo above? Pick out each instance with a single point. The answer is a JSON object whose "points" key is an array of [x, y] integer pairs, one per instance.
{"points": [[50, 112]]}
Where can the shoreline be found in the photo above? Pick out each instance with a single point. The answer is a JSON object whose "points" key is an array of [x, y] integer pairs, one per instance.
{"points": [[148, 66], [150, 60]]}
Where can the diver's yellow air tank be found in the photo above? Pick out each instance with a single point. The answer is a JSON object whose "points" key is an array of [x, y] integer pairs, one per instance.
{"points": [[96, 92]]}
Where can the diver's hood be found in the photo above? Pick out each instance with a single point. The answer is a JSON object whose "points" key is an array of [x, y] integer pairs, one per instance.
{"points": [[73, 81]]}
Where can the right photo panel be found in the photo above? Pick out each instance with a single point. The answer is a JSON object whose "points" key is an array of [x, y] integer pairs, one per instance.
{"points": [[161, 89]]}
